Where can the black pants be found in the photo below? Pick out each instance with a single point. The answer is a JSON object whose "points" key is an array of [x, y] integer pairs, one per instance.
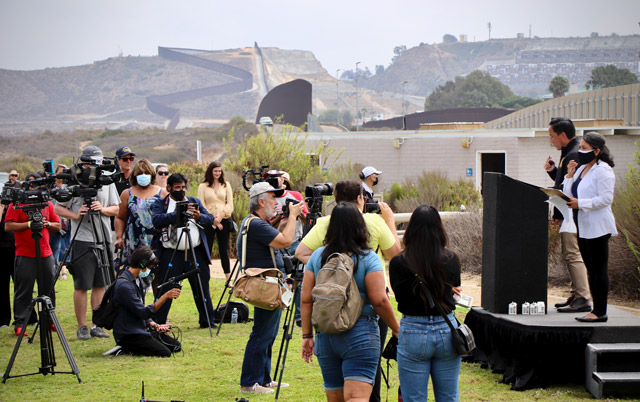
{"points": [[144, 345], [179, 266], [595, 254], [7, 256], [375, 393], [24, 279], [223, 242]]}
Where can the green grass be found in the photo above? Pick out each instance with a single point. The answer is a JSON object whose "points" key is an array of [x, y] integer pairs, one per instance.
{"points": [[209, 369]]}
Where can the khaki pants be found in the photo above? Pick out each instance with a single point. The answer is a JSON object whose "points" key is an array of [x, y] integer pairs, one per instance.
{"points": [[577, 270]]}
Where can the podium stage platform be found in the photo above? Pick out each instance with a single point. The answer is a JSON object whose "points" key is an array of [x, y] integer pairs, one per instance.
{"points": [[537, 351]]}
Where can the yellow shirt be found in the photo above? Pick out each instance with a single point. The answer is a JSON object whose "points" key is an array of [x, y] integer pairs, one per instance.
{"points": [[380, 236], [216, 202]]}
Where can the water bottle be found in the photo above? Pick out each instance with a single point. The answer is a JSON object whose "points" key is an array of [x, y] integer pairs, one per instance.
{"points": [[234, 316], [513, 308]]}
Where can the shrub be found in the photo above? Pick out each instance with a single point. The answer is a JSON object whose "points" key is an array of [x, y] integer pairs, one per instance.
{"points": [[465, 238], [433, 188], [624, 261]]}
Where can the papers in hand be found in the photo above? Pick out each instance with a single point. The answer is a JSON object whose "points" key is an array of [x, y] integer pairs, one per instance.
{"points": [[559, 200]]}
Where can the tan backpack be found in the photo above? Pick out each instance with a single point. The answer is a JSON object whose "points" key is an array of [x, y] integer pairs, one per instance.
{"points": [[337, 303]]}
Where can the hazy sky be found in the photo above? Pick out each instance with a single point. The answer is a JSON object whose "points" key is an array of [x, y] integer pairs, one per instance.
{"points": [[36, 34]]}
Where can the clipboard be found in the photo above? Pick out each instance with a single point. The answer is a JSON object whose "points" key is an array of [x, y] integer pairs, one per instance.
{"points": [[554, 192]]}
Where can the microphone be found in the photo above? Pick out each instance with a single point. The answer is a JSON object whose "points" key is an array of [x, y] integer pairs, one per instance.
{"points": [[178, 278]]}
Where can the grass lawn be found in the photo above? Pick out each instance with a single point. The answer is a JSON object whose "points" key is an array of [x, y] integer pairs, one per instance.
{"points": [[209, 369]]}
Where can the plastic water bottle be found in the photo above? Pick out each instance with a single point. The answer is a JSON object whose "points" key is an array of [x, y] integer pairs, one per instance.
{"points": [[513, 308], [234, 316]]}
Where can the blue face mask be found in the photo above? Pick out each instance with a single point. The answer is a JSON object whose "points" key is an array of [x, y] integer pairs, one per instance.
{"points": [[144, 274], [143, 179]]}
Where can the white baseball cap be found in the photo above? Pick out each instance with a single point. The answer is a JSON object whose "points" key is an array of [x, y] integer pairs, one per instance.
{"points": [[369, 170]]}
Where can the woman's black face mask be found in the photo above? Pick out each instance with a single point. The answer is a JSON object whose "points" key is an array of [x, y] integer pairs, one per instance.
{"points": [[585, 157]]}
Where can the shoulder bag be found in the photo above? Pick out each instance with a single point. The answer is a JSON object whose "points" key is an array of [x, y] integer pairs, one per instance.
{"points": [[261, 287], [463, 339]]}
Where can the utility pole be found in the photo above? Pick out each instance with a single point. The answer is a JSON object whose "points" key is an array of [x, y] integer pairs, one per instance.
{"points": [[489, 26], [338, 95], [404, 113], [357, 127]]}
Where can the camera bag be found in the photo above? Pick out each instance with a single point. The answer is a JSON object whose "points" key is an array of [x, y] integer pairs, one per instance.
{"points": [[261, 287], [243, 312], [337, 303]]}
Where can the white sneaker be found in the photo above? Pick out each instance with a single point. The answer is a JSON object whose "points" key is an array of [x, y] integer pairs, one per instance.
{"points": [[257, 388], [274, 384]]}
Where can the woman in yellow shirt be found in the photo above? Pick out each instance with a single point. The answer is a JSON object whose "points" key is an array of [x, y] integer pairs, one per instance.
{"points": [[217, 197]]}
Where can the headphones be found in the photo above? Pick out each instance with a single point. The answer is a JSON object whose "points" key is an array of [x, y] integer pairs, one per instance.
{"points": [[143, 257]]}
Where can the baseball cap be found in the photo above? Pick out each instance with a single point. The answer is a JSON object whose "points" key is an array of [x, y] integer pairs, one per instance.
{"points": [[264, 187], [124, 151], [91, 154], [286, 178], [369, 170]]}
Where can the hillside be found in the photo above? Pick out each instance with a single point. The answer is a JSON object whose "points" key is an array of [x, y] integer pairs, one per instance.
{"points": [[525, 65]]}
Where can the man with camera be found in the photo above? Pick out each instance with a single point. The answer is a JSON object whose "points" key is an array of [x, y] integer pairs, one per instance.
{"points": [[133, 328], [25, 263], [88, 274], [170, 215], [383, 238], [261, 238]]}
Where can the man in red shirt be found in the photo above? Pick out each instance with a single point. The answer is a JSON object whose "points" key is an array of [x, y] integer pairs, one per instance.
{"points": [[25, 270]]}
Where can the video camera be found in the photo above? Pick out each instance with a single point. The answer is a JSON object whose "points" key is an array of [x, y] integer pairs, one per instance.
{"points": [[285, 207], [253, 176], [43, 192], [88, 173], [313, 195]]}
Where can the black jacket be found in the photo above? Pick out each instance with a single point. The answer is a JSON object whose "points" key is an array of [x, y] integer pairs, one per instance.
{"points": [[133, 315], [567, 154]]}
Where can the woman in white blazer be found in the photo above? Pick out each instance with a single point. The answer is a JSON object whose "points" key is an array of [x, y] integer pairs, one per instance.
{"points": [[590, 188]]}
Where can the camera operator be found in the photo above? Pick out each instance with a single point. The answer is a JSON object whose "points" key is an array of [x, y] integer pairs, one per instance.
{"points": [[25, 264], [85, 267], [164, 217], [256, 365], [383, 239], [133, 328]]}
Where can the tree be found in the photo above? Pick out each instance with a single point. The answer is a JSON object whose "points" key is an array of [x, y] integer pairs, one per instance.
{"points": [[448, 38], [398, 50], [379, 70], [558, 86], [610, 76], [478, 89]]}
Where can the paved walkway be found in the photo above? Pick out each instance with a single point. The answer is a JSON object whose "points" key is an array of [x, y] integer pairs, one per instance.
{"points": [[471, 285]]}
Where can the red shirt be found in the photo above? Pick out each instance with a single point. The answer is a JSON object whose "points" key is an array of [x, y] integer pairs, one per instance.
{"points": [[25, 246]]}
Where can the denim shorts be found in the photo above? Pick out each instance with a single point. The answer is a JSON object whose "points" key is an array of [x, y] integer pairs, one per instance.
{"points": [[352, 355]]}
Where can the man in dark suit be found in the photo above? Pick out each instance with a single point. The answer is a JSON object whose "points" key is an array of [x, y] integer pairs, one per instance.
{"points": [[562, 135], [169, 241]]}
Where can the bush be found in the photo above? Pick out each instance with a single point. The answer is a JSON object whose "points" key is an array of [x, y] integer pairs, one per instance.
{"points": [[465, 238], [624, 260], [433, 188]]}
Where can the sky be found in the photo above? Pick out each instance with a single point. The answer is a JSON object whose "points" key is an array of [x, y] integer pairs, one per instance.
{"points": [[36, 34]]}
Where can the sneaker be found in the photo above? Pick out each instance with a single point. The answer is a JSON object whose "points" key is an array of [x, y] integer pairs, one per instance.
{"points": [[83, 333], [4, 326], [274, 384], [20, 329], [257, 388], [97, 332]]}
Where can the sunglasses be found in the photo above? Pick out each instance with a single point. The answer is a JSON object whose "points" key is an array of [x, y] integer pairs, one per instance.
{"points": [[13, 175], [130, 159], [163, 173]]}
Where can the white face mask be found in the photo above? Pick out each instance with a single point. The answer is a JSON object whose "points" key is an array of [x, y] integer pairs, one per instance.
{"points": [[143, 179], [145, 273]]}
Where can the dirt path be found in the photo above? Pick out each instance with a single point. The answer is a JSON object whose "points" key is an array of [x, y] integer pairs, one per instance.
{"points": [[472, 286]]}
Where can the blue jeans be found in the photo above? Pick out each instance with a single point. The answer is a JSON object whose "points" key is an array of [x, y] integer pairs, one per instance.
{"points": [[425, 347], [256, 366], [351, 355]]}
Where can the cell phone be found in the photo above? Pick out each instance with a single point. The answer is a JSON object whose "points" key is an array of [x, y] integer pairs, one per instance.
{"points": [[196, 206]]}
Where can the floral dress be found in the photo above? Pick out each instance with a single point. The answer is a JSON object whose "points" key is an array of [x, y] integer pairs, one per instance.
{"points": [[139, 230]]}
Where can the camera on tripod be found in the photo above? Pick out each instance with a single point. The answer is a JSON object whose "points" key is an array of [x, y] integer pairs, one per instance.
{"points": [[88, 173], [183, 214], [42, 192], [254, 176]]}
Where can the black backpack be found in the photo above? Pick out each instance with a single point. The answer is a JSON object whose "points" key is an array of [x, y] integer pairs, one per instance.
{"points": [[243, 312], [105, 314]]}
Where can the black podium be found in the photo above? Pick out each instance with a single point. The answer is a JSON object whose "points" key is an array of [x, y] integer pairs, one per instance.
{"points": [[514, 243]]}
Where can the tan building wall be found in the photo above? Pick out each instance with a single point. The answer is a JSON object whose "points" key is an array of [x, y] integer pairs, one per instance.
{"points": [[525, 152]]}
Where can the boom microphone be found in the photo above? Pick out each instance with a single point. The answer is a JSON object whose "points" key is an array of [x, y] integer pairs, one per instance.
{"points": [[178, 278]]}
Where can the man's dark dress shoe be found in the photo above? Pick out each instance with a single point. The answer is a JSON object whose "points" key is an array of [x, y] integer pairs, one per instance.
{"points": [[603, 318], [578, 305], [565, 303]]}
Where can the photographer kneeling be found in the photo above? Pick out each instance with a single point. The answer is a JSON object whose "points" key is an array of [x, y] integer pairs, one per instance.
{"points": [[133, 328]]}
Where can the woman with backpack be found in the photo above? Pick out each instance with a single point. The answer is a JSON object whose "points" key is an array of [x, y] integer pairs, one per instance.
{"points": [[425, 346], [348, 359]]}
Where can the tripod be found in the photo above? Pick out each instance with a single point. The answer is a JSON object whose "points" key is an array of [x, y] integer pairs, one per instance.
{"points": [[234, 275], [46, 315], [100, 248], [190, 250], [288, 327]]}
